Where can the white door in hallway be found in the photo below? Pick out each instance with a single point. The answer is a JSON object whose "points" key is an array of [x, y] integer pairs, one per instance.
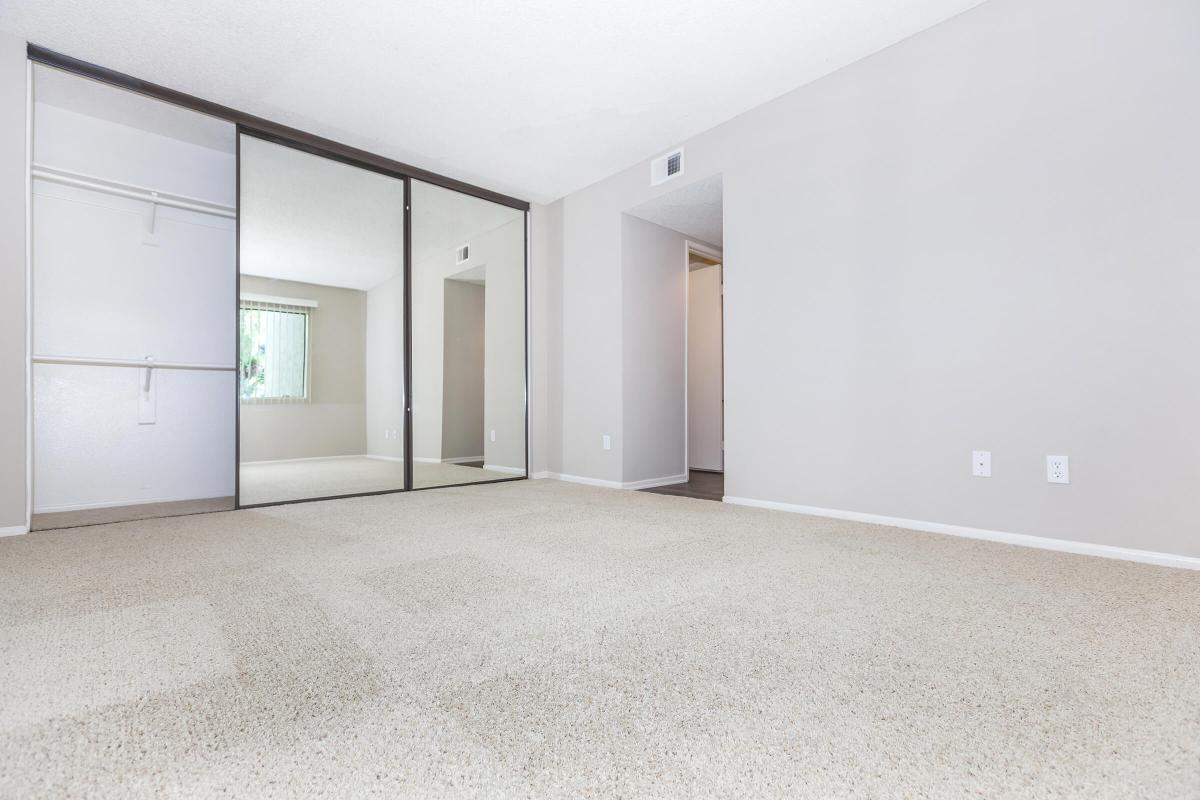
{"points": [[705, 382]]}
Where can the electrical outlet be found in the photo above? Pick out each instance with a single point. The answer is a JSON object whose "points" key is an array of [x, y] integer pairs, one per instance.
{"points": [[1058, 469], [607, 442], [981, 463]]}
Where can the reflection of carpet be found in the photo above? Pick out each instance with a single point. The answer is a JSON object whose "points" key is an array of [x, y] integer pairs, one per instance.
{"points": [[276, 481], [541, 639]]}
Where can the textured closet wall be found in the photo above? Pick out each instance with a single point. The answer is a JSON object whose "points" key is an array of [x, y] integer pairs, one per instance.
{"points": [[114, 280]]}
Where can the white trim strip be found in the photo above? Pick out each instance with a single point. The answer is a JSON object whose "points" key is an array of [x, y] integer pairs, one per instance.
{"points": [[28, 443], [14, 530], [1019, 539]]}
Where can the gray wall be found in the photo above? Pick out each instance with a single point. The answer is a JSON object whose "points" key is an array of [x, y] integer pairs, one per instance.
{"points": [[13, 197], [333, 421], [545, 339], [982, 237], [653, 304]]}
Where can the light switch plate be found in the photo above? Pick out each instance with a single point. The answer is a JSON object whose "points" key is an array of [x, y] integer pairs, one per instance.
{"points": [[607, 441], [981, 463]]}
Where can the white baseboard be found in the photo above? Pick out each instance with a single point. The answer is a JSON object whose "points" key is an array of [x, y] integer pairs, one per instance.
{"points": [[1020, 539], [646, 484], [650, 483], [386, 458], [509, 470], [13, 530], [560, 476]]}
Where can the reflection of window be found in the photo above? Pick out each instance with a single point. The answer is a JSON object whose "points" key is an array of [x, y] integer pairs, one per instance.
{"points": [[274, 351]]}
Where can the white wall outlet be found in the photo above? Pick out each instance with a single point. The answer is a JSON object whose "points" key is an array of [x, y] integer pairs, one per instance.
{"points": [[607, 442], [981, 463], [493, 434], [1058, 469]]}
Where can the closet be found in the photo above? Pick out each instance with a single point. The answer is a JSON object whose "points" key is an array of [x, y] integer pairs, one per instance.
{"points": [[133, 334], [227, 313]]}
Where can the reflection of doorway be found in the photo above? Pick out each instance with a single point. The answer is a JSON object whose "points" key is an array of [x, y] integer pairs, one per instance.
{"points": [[462, 371], [704, 382]]}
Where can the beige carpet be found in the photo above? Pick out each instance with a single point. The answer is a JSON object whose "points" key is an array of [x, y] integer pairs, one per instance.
{"points": [[282, 481], [537, 639]]}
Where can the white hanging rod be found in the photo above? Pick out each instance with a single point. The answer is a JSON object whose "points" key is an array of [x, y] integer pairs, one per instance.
{"points": [[132, 191], [129, 362]]}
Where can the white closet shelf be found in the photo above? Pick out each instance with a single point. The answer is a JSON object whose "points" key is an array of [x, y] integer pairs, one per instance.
{"points": [[132, 191], [130, 362]]}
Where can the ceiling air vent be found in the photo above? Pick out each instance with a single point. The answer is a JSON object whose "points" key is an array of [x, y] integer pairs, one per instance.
{"points": [[666, 167], [462, 254]]}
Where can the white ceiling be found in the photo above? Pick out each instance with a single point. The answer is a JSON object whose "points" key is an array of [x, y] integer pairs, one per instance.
{"points": [[693, 210], [534, 98]]}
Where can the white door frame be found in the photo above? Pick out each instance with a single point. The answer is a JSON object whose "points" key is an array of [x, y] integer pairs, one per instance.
{"points": [[690, 247]]}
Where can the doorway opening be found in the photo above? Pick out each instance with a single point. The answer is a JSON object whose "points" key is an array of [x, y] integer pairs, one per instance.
{"points": [[705, 371], [674, 268]]}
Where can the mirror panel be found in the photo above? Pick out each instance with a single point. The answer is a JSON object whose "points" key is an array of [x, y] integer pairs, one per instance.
{"points": [[321, 311], [468, 338]]}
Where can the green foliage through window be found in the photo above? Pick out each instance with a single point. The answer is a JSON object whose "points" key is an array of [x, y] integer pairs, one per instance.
{"points": [[273, 352]]}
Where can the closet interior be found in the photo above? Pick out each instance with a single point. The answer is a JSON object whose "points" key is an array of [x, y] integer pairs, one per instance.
{"points": [[133, 285]]}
